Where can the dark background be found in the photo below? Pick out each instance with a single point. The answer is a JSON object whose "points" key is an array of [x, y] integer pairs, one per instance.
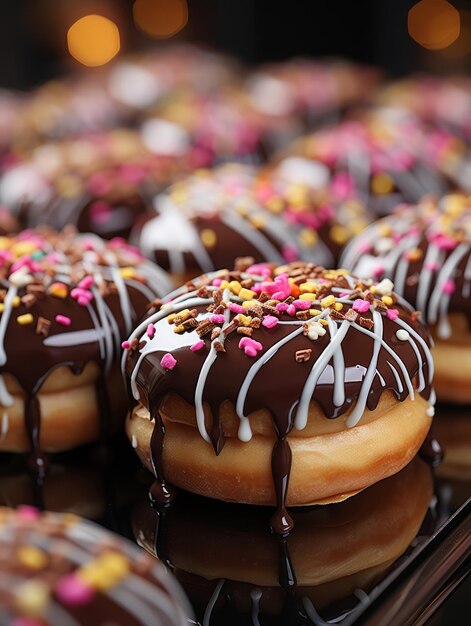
{"points": [[33, 33]]}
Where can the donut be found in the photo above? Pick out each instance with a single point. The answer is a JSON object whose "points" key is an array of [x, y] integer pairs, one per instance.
{"points": [[60, 569], [453, 429], [67, 302], [292, 97], [336, 550], [287, 386], [426, 251], [379, 158], [207, 220]]}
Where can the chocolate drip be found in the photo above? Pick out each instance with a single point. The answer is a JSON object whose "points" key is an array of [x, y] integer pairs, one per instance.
{"points": [[161, 492], [286, 573], [281, 521], [36, 461]]}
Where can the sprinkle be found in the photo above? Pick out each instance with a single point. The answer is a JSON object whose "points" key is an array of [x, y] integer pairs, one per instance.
{"points": [[236, 308], [127, 272], [235, 286], [361, 306], [20, 278], [63, 320], [208, 237], [281, 307], [28, 513], [247, 294], [448, 287], [302, 304], [327, 301], [25, 319], [430, 411], [32, 597], [86, 282], [366, 322], [197, 346], [126, 345], [351, 315], [308, 296], [250, 346], [32, 557], [302, 356], [291, 310], [43, 326], [402, 334], [59, 290], [168, 362], [392, 314], [314, 330], [217, 319], [270, 321], [387, 300], [150, 331], [245, 320], [73, 591]]}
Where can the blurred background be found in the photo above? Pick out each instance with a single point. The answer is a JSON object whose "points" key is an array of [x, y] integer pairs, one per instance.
{"points": [[434, 37]]}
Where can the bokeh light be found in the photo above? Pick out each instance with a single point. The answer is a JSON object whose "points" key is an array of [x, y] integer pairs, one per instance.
{"points": [[160, 18], [93, 40], [462, 46], [434, 24]]}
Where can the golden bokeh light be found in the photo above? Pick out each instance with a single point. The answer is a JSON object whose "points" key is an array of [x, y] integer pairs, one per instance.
{"points": [[160, 18], [462, 46], [434, 24], [93, 40]]}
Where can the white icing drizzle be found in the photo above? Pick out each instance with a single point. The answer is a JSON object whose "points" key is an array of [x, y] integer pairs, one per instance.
{"points": [[339, 369], [214, 598], [255, 596], [4, 319]]}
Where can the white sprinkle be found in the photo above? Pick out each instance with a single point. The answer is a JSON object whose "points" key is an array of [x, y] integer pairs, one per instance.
{"points": [[402, 335], [20, 278], [385, 287], [134, 441], [431, 411]]}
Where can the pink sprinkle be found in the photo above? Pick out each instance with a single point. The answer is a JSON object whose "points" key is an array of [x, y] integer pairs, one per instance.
{"points": [[270, 321], [364, 247], [126, 345], [63, 320], [392, 314], [100, 212], [362, 306], [291, 310], [448, 287], [197, 346], [72, 591], [259, 269], [216, 282], [432, 267], [150, 331], [378, 271], [83, 300], [302, 305], [250, 346], [28, 513], [168, 362], [86, 282], [236, 308], [281, 307], [217, 319], [289, 253]]}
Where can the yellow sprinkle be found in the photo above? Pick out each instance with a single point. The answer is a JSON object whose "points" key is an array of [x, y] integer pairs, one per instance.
{"points": [[246, 294], [314, 312], [208, 237], [2, 307], [32, 598], [244, 319], [171, 318], [323, 321], [382, 184], [27, 318], [338, 234], [127, 272], [224, 285], [183, 315], [327, 301], [275, 204], [15, 303], [387, 300], [32, 557], [59, 290], [308, 237], [257, 221], [338, 306], [115, 564], [179, 329], [4, 243], [235, 286], [415, 254], [247, 304], [307, 296], [91, 574], [308, 288], [23, 247]]}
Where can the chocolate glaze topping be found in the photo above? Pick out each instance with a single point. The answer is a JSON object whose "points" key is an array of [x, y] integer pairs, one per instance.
{"points": [[277, 338], [66, 300], [59, 569], [207, 220], [426, 251]]}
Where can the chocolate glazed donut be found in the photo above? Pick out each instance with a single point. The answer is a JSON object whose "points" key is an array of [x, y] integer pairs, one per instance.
{"points": [[265, 353], [66, 302]]}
